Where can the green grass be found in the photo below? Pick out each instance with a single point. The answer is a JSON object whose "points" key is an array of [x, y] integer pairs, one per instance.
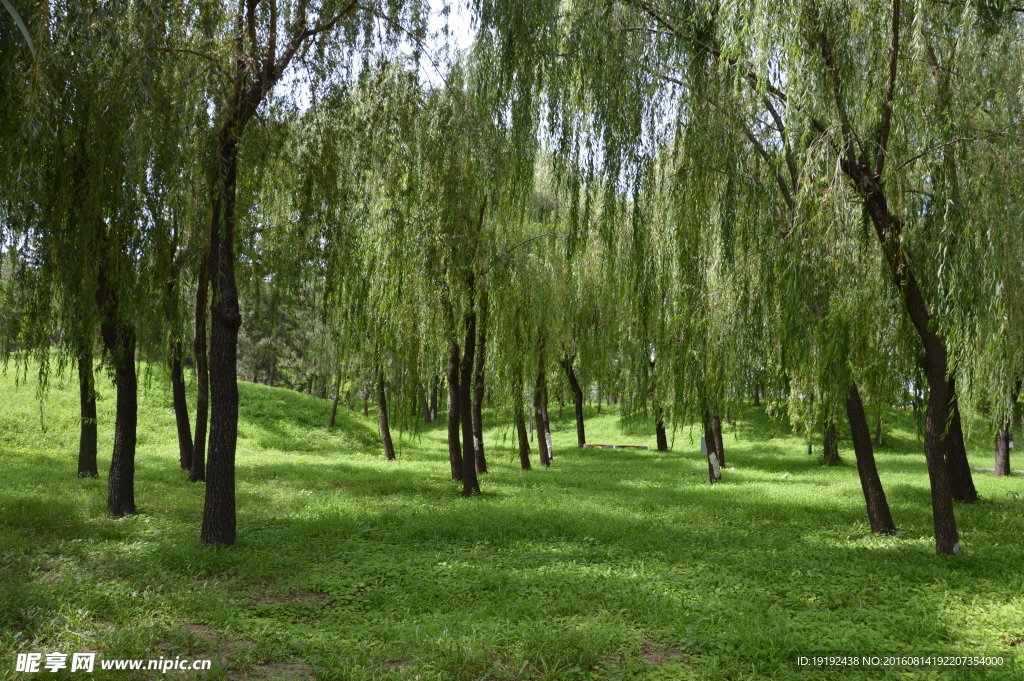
{"points": [[613, 564]]}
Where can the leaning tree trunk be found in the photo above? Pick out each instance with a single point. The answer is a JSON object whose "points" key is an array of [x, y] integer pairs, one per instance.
{"points": [[454, 412], [87, 434], [470, 483], [119, 339], [961, 482], [830, 446], [757, 394], [225, 320], [870, 483], [577, 398], [659, 431], [382, 419], [197, 473], [935, 361], [714, 463], [185, 447], [478, 387]]}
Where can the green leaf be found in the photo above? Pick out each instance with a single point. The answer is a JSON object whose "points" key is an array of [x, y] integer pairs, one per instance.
{"points": [[21, 25]]}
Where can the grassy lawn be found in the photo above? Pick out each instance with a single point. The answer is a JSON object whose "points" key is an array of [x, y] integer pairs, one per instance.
{"points": [[610, 565]]}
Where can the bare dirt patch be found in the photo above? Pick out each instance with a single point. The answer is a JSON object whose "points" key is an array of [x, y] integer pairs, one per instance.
{"points": [[657, 655]]}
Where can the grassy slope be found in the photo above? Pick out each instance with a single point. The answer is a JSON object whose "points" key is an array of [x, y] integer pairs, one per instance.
{"points": [[612, 564]]}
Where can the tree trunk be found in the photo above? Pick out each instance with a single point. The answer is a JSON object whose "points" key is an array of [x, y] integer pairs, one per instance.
{"points": [[382, 419], [659, 431], [961, 482], [714, 462], [547, 421], [1003, 438], [935, 360], [577, 398], [366, 402], [197, 472], [716, 430], [878, 428], [539, 412], [524, 442], [470, 483], [757, 394], [454, 412], [87, 434], [830, 446], [334, 404], [119, 339], [538, 418], [273, 370], [599, 398], [185, 447], [870, 483], [225, 320], [478, 387]]}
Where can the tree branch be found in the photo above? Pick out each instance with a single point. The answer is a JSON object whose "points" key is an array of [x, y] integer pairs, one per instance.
{"points": [[890, 91], [837, 89]]}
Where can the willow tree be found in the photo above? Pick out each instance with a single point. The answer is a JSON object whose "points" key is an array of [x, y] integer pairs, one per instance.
{"points": [[854, 87], [252, 48], [88, 202]]}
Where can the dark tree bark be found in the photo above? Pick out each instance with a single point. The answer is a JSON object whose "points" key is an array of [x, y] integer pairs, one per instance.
{"points": [[577, 398], [225, 320], [197, 472], [87, 467], [757, 394], [478, 387], [830, 446], [1003, 438], [716, 430], [382, 419], [663, 438], [714, 463], [524, 441], [961, 482], [185, 448], [119, 339], [870, 483], [470, 483], [334, 403], [454, 412]]}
